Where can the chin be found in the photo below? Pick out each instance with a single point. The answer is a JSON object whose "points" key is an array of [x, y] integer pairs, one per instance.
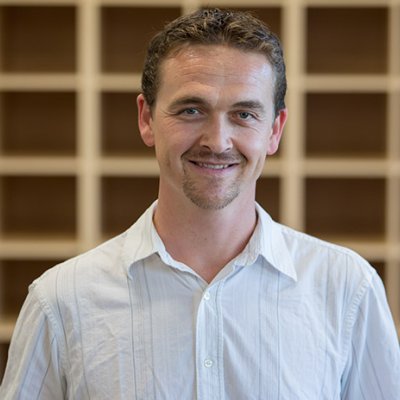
{"points": [[210, 202]]}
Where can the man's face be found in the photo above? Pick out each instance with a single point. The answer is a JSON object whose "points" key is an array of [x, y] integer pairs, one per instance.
{"points": [[212, 124]]}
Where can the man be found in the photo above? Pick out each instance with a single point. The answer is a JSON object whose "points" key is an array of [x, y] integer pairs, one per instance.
{"points": [[205, 297]]}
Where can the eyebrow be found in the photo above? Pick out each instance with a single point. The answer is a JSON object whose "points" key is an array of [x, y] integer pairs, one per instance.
{"points": [[248, 104], [187, 100]]}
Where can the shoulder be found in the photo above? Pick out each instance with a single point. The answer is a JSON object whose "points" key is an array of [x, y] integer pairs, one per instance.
{"points": [[110, 259], [93, 260], [336, 273], [78, 277], [311, 257]]}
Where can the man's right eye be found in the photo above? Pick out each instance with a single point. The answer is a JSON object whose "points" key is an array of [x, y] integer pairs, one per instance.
{"points": [[190, 111]]}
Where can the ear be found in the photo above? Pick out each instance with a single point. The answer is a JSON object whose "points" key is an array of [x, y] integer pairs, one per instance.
{"points": [[277, 130], [145, 121]]}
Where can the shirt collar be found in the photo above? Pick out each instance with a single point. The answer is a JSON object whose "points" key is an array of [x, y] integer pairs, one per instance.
{"points": [[139, 242], [267, 240], [272, 245]]}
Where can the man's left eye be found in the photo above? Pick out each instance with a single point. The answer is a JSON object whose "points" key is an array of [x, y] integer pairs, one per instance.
{"points": [[245, 115]]}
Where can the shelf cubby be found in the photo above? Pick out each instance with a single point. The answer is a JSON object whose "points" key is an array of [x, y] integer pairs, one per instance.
{"points": [[16, 276], [119, 128], [125, 32], [38, 123], [3, 358], [38, 206], [124, 199], [346, 125], [38, 38], [380, 267], [351, 40], [268, 195], [346, 207]]}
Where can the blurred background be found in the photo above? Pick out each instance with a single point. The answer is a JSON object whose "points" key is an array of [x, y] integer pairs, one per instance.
{"points": [[73, 170]]}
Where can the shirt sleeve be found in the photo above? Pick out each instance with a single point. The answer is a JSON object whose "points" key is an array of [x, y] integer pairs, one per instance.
{"points": [[373, 367], [33, 370]]}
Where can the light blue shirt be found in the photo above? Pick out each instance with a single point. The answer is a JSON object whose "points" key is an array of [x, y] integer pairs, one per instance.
{"points": [[290, 318]]}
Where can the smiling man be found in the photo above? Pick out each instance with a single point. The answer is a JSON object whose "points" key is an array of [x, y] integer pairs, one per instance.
{"points": [[212, 124], [205, 296]]}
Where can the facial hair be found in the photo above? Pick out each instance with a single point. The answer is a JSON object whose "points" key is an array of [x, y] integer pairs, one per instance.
{"points": [[211, 192]]}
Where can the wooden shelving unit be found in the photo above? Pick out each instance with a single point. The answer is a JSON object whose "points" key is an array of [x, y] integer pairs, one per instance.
{"points": [[73, 170]]}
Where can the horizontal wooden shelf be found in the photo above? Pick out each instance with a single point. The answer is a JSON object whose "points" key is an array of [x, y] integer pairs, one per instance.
{"points": [[346, 3], [6, 328], [39, 165], [345, 167], [351, 83], [22, 247], [129, 166], [372, 248], [131, 81], [120, 82], [39, 81], [148, 166]]}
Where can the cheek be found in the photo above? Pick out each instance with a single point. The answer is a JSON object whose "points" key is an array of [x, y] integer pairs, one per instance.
{"points": [[254, 147], [169, 148]]}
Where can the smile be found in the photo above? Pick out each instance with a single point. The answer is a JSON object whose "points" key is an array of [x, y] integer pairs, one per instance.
{"points": [[213, 166]]}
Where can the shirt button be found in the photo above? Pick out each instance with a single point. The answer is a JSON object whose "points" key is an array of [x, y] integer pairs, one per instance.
{"points": [[208, 363], [207, 296]]}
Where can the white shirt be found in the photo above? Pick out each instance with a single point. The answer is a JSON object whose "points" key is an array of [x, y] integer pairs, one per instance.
{"points": [[290, 318]]}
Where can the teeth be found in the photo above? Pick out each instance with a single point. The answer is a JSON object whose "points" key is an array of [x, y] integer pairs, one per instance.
{"points": [[213, 166]]}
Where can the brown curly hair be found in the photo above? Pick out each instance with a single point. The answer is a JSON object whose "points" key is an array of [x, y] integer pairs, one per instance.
{"points": [[238, 29]]}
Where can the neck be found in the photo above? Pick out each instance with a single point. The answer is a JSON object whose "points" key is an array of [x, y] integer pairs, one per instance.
{"points": [[205, 240]]}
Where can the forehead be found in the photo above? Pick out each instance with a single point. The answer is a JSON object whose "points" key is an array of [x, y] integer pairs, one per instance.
{"points": [[196, 66], [223, 57]]}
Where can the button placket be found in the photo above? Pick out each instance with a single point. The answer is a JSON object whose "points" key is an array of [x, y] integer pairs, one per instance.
{"points": [[208, 363], [207, 346]]}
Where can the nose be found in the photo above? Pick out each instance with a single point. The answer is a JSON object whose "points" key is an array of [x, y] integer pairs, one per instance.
{"points": [[217, 135]]}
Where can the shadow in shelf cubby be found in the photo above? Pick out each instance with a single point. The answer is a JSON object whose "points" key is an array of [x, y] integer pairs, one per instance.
{"points": [[3, 358], [380, 267], [38, 123], [38, 206], [361, 47], [124, 199], [38, 38], [119, 127], [268, 195], [346, 124], [119, 24], [346, 208], [17, 275]]}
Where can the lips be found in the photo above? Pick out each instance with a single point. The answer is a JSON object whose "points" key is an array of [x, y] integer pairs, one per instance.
{"points": [[212, 166], [208, 160]]}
